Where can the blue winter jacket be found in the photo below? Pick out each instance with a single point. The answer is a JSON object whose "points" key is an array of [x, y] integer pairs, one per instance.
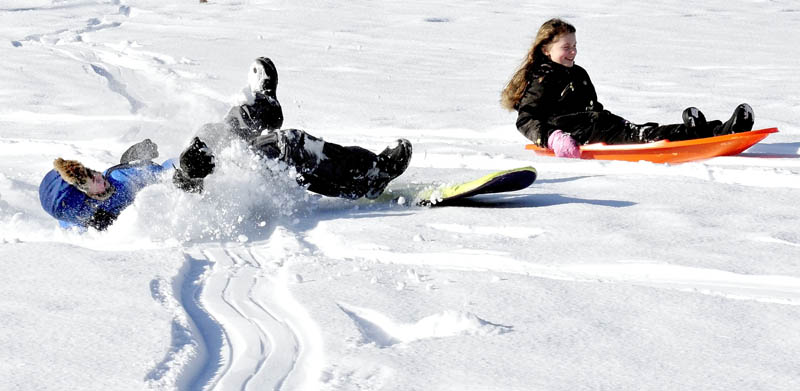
{"points": [[74, 208]]}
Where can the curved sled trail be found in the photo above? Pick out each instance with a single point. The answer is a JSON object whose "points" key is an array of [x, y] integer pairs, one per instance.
{"points": [[257, 337]]}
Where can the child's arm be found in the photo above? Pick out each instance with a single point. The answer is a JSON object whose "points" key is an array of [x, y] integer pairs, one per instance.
{"points": [[534, 110]]}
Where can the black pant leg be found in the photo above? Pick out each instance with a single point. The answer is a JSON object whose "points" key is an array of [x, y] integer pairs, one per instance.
{"points": [[326, 168], [680, 132], [604, 126], [596, 126], [676, 132], [343, 171]]}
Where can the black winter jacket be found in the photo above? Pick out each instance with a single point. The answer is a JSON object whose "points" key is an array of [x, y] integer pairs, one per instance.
{"points": [[554, 91]]}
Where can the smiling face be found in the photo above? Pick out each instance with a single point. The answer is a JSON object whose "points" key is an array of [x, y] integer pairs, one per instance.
{"points": [[563, 50]]}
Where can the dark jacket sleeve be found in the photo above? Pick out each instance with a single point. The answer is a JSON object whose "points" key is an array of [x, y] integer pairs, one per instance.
{"points": [[534, 110]]}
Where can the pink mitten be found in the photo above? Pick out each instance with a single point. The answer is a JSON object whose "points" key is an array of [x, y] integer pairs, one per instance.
{"points": [[563, 145]]}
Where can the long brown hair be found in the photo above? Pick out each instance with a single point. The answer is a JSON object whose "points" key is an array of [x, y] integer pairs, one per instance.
{"points": [[547, 34]]}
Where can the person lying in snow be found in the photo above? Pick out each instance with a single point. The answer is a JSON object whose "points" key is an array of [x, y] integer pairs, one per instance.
{"points": [[78, 196], [558, 107], [325, 168]]}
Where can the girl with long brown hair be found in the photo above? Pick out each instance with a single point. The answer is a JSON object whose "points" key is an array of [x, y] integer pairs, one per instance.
{"points": [[558, 107]]}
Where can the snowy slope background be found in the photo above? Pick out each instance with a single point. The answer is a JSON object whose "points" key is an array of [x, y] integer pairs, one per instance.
{"points": [[602, 275]]}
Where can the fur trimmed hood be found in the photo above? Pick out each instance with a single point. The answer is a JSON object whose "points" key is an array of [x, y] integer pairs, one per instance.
{"points": [[76, 174]]}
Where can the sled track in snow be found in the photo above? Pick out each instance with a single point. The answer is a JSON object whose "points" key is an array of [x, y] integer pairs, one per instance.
{"points": [[256, 336]]}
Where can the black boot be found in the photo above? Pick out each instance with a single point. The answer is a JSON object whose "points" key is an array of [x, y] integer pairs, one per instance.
{"points": [[693, 118], [249, 120], [696, 124], [392, 162], [741, 121], [263, 76]]}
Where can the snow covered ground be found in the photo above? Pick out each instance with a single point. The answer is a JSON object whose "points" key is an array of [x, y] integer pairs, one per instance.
{"points": [[602, 275]]}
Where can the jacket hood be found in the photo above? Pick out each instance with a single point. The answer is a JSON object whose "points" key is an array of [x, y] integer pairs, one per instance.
{"points": [[64, 201]]}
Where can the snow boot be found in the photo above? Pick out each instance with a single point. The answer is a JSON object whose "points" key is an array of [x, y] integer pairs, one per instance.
{"points": [[693, 118], [741, 121], [696, 124], [392, 162], [263, 77], [263, 113]]}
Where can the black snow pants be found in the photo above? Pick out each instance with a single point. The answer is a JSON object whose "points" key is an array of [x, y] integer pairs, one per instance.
{"points": [[603, 126], [326, 168]]}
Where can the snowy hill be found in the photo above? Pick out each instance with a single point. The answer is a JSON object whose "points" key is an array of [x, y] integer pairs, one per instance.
{"points": [[602, 275]]}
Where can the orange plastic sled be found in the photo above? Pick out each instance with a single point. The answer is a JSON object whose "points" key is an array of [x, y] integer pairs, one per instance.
{"points": [[666, 151]]}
